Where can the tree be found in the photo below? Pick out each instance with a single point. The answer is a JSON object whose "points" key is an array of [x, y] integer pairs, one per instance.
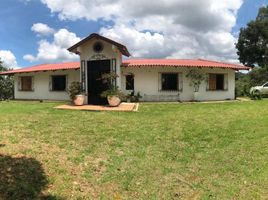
{"points": [[258, 76], [6, 84], [252, 44], [252, 49]]}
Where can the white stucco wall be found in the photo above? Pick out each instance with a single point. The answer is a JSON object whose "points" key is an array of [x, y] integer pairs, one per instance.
{"points": [[41, 85], [146, 81]]}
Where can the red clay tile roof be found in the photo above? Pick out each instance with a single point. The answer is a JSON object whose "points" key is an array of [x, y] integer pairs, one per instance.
{"points": [[45, 67], [181, 63], [135, 63]]}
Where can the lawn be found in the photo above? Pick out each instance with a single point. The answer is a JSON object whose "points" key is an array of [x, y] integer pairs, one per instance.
{"points": [[164, 151]]}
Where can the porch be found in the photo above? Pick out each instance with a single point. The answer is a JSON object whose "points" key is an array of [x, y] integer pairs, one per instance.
{"points": [[123, 107]]}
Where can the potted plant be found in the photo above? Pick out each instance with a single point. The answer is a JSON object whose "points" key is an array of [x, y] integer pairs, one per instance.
{"points": [[134, 98], [196, 78], [113, 94], [76, 93]]}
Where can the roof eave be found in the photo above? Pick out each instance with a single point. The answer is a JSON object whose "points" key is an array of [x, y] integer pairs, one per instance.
{"points": [[158, 65], [123, 49], [35, 71], [6, 74]]}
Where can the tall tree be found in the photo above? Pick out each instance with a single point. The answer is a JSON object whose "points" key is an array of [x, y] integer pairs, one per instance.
{"points": [[1, 65], [6, 85], [252, 44]]}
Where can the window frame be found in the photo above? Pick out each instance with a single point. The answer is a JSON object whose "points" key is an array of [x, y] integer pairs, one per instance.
{"points": [[127, 81], [224, 82], [66, 83], [21, 89], [161, 82]]}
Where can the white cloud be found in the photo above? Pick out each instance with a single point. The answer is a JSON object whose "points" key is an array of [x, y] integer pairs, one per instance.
{"points": [[29, 57], [55, 51], [42, 29], [162, 28], [88, 9], [65, 39], [8, 59], [152, 41]]}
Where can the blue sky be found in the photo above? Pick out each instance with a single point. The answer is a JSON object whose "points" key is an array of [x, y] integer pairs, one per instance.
{"points": [[248, 11], [18, 17]]}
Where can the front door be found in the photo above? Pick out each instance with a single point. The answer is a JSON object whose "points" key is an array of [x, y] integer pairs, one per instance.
{"points": [[95, 70]]}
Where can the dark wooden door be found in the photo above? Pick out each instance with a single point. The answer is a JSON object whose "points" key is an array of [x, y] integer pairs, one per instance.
{"points": [[95, 70]]}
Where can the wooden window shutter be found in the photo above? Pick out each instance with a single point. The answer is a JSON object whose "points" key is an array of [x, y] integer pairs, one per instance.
{"points": [[180, 76], [26, 83], [212, 82]]}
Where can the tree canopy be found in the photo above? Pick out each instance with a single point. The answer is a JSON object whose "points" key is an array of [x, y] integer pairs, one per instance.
{"points": [[252, 49], [6, 84], [252, 44], [1, 66]]}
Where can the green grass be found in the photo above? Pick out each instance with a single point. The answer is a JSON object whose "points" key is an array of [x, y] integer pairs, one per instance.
{"points": [[164, 151]]}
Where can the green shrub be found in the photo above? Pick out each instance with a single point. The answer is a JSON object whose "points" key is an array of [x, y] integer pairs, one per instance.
{"points": [[6, 85]]}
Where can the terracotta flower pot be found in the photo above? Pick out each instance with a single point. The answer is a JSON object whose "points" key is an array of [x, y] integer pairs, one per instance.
{"points": [[113, 101], [79, 100]]}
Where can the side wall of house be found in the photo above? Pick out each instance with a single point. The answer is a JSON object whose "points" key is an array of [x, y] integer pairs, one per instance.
{"points": [[147, 81], [41, 87]]}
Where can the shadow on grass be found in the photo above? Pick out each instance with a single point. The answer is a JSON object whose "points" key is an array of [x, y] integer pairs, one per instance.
{"points": [[22, 178]]}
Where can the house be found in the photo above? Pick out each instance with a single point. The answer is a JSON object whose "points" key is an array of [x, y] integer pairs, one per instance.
{"points": [[154, 79]]}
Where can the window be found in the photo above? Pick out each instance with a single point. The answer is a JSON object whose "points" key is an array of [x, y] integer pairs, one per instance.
{"points": [[98, 47], [169, 82], [130, 82], [216, 81], [59, 83], [26, 83], [266, 85]]}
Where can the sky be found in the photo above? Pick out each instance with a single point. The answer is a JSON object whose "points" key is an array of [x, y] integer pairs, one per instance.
{"points": [[40, 31]]}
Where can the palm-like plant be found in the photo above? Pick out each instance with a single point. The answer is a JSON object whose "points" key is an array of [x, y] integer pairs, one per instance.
{"points": [[110, 79], [196, 77]]}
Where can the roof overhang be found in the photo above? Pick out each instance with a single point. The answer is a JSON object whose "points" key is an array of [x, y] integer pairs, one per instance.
{"points": [[123, 49], [44, 68], [197, 63]]}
